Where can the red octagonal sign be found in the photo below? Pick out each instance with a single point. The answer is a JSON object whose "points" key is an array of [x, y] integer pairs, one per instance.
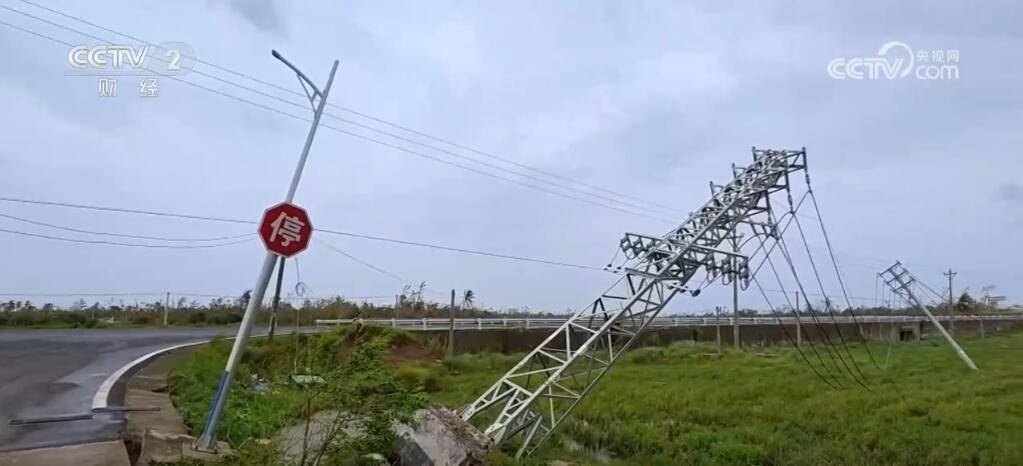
{"points": [[285, 229]]}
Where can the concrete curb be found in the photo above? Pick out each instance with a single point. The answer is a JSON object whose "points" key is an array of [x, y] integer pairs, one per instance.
{"points": [[102, 398]]}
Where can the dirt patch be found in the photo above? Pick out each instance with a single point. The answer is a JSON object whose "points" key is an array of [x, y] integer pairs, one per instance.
{"points": [[404, 347], [410, 352]]}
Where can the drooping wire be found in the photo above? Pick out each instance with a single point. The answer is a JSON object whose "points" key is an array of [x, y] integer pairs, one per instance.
{"points": [[778, 235], [838, 273], [836, 357], [362, 262], [789, 337], [813, 346], [830, 309]]}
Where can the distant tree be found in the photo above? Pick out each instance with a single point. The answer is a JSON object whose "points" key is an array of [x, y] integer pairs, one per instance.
{"points": [[243, 300], [966, 304]]}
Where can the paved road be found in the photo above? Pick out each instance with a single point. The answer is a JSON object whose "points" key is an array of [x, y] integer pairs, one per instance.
{"points": [[57, 372]]}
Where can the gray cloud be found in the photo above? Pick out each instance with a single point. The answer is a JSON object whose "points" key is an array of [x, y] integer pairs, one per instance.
{"points": [[651, 99], [1011, 193], [263, 14]]}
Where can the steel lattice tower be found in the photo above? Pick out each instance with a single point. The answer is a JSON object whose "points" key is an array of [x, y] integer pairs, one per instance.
{"points": [[542, 389]]}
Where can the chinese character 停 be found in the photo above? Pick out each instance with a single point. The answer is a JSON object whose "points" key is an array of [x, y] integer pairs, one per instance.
{"points": [[288, 228]]}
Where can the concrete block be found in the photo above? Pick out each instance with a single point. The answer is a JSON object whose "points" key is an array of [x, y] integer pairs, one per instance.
{"points": [[440, 438]]}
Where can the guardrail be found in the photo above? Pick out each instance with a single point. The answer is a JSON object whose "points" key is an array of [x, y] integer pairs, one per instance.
{"points": [[489, 323]]}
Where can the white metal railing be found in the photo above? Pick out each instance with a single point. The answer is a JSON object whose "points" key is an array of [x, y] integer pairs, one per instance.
{"points": [[486, 323]]}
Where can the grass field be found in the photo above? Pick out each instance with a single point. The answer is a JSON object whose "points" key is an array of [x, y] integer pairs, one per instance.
{"points": [[680, 405], [675, 405]]}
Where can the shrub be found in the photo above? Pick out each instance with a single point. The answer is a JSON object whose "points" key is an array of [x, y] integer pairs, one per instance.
{"points": [[419, 377]]}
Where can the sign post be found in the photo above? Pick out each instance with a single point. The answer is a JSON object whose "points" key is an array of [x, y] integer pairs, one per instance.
{"points": [[285, 231]]}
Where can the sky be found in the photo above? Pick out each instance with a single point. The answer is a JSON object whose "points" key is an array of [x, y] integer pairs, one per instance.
{"points": [[649, 99]]}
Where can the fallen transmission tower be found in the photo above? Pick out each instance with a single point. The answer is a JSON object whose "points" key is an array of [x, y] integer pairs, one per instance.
{"points": [[901, 282], [539, 392]]}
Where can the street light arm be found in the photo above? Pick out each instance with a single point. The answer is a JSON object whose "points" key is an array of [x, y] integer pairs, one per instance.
{"points": [[300, 74]]}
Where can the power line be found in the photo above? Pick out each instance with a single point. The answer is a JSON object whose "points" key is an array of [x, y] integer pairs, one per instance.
{"points": [[789, 338], [122, 235], [364, 263], [323, 230], [464, 251], [838, 272], [115, 243], [862, 381], [126, 211], [367, 138], [179, 294], [363, 115], [115, 294]]}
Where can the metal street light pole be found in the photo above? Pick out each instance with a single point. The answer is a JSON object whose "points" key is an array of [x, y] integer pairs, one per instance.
{"points": [[208, 440]]}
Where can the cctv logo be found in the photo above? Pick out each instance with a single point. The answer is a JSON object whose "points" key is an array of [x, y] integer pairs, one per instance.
{"points": [[104, 57]]}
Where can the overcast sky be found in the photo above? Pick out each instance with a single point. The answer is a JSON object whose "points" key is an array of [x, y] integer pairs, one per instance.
{"points": [[644, 98]]}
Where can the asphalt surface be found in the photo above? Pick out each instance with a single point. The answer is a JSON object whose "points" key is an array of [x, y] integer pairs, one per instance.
{"points": [[57, 372]]}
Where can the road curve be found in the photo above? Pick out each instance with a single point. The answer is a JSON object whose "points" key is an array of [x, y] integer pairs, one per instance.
{"points": [[57, 372]]}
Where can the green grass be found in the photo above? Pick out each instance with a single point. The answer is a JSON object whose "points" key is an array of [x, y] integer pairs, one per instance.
{"points": [[249, 415], [675, 405], [356, 381]]}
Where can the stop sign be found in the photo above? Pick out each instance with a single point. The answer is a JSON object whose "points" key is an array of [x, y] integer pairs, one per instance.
{"points": [[285, 229]]}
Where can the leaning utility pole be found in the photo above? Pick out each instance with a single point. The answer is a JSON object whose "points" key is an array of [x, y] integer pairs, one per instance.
{"points": [[951, 303], [900, 282], [208, 440]]}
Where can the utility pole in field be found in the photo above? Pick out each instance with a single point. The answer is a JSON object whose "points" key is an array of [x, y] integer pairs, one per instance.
{"points": [[951, 303], [735, 293], [451, 326], [901, 282], [291, 230], [717, 326], [277, 300], [799, 325], [166, 307]]}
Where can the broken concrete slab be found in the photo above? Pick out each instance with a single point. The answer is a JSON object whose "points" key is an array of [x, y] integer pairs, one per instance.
{"points": [[296, 439], [440, 438]]}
